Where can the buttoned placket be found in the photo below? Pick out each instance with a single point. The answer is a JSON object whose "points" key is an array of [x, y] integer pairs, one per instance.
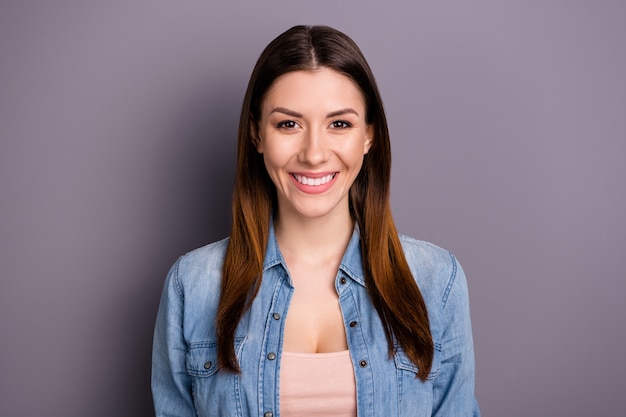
{"points": [[269, 366], [356, 344]]}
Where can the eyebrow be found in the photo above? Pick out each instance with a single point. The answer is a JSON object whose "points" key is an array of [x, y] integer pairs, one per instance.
{"points": [[285, 111], [342, 112], [329, 115]]}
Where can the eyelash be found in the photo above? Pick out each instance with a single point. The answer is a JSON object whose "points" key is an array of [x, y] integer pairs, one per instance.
{"points": [[284, 123], [342, 124]]}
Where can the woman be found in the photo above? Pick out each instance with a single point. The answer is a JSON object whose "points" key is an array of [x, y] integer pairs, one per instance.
{"points": [[314, 305]]}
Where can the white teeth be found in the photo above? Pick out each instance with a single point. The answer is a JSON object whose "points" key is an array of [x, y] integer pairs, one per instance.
{"points": [[313, 181]]}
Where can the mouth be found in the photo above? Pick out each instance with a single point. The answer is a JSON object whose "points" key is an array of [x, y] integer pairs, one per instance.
{"points": [[314, 182]]}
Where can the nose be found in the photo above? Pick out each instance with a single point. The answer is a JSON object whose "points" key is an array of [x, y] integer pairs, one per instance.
{"points": [[314, 150]]}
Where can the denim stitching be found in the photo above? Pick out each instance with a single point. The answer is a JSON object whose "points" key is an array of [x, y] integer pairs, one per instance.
{"points": [[177, 284], [451, 281]]}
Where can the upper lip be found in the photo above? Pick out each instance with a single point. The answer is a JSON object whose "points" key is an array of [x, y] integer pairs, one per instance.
{"points": [[314, 174]]}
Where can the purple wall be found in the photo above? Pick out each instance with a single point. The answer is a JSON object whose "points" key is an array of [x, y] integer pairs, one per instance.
{"points": [[117, 128]]}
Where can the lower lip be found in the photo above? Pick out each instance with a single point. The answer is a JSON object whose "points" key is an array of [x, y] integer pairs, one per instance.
{"points": [[314, 189]]}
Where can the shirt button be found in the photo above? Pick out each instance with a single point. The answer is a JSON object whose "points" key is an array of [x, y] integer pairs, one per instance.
{"points": [[268, 414], [207, 365], [276, 316], [363, 363], [353, 324], [342, 280], [271, 356]]}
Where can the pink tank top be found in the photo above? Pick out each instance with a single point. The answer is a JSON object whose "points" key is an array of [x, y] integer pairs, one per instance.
{"points": [[317, 384]]}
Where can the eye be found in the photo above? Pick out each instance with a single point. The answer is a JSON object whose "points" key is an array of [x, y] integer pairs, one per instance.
{"points": [[287, 124], [340, 124]]}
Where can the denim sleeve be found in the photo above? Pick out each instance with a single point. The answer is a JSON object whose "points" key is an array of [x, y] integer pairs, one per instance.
{"points": [[454, 387], [171, 384]]}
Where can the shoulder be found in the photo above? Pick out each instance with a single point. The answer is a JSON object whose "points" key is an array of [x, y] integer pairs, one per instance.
{"points": [[200, 268], [190, 295], [425, 254], [209, 256], [436, 270]]}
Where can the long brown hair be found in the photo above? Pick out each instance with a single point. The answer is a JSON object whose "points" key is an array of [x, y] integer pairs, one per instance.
{"points": [[389, 281]]}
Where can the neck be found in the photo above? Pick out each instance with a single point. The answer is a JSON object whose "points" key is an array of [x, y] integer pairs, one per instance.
{"points": [[321, 239]]}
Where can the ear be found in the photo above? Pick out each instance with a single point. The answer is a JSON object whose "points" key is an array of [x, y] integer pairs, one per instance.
{"points": [[369, 135], [254, 135]]}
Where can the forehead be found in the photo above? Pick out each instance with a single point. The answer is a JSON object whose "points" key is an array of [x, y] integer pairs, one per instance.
{"points": [[322, 89]]}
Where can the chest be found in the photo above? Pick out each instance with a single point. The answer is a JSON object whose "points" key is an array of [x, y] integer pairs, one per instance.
{"points": [[314, 321]]}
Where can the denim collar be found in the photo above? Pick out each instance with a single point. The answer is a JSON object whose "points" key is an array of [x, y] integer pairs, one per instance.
{"points": [[351, 263]]}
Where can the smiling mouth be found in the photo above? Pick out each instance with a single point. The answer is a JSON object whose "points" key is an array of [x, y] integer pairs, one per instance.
{"points": [[314, 181]]}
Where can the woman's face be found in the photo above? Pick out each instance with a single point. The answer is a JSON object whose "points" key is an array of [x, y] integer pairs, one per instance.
{"points": [[313, 136]]}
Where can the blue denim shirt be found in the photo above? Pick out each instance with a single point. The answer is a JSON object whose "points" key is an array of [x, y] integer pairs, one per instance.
{"points": [[186, 381]]}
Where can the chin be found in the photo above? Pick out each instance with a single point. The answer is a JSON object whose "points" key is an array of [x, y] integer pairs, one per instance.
{"points": [[315, 212]]}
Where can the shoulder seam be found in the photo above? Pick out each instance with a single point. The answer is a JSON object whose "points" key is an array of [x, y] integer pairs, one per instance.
{"points": [[446, 293], [176, 278]]}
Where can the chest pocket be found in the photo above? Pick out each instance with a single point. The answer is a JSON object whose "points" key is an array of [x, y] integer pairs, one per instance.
{"points": [[202, 357], [213, 390], [415, 398], [403, 363]]}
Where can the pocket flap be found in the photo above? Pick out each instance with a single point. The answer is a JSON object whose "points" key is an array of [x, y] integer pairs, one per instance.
{"points": [[202, 359], [403, 362]]}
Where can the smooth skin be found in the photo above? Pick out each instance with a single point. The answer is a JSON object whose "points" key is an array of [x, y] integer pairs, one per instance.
{"points": [[313, 136]]}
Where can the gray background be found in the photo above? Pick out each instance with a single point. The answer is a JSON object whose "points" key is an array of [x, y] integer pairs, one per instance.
{"points": [[117, 127]]}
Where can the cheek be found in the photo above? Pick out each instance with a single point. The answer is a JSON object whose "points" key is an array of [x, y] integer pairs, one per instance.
{"points": [[272, 173], [275, 162], [355, 154], [272, 156]]}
